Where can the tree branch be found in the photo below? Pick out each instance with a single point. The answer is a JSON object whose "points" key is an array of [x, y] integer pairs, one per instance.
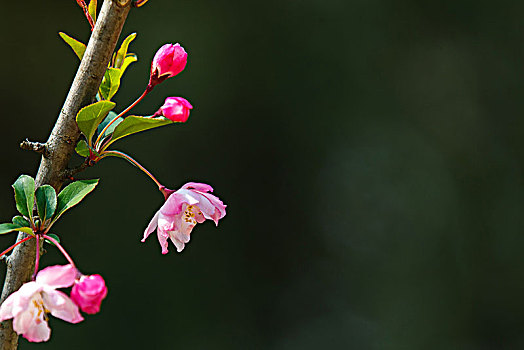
{"points": [[63, 138]]}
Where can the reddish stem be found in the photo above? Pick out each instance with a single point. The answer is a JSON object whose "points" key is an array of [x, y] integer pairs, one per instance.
{"points": [[62, 250], [146, 91], [37, 259], [14, 245], [135, 163]]}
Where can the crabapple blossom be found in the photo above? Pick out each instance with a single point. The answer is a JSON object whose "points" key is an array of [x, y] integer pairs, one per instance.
{"points": [[29, 306], [168, 61], [88, 293], [191, 204], [175, 108]]}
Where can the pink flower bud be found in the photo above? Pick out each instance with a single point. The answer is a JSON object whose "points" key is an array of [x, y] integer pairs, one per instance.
{"points": [[88, 292], [175, 108], [169, 60]]}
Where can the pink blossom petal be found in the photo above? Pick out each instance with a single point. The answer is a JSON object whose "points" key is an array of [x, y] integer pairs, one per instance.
{"points": [[61, 306], [6, 309], [58, 276], [22, 298], [204, 204], [162, 239], [32, 323], [198, 186], [174, 203], [178, 244], [151, 227]]}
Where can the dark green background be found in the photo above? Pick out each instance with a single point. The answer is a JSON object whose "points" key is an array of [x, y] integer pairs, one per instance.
{"points": [[370, 153]]}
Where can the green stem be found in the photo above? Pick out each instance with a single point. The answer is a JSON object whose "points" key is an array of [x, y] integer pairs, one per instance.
{"points": [[132, 161]]}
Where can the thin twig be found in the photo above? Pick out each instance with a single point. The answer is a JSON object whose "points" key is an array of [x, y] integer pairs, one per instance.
{"points": [[37, 147]]}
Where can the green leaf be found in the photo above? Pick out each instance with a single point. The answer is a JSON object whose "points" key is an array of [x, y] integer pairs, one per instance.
{"points": [[130, 58], [92, 9], [72, 194], [45, 202], [6, 228], [76, 45], [21, 221], [24, 188], [112, 115], [122, 52], [110, 83], [89, 117], [134, 124], [55, 237], [82, 148]]}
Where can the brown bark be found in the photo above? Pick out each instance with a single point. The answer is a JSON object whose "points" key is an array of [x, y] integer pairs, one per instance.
{"points": [[62, 140]]}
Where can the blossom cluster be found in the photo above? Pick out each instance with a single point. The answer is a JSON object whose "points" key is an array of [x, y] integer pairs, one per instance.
{"points": [[29, 306], [192, 204]]}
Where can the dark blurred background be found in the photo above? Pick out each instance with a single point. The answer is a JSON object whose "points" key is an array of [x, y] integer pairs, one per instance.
{"points": [[370, 153]]}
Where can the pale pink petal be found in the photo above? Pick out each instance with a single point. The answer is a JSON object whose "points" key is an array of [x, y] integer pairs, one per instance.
{"points": [[218, 204], [178, 244], [162, 239], [58, 276], [174, 202], [198, 186], [22, 297], [151, 227], [167, 222], [32, 324], [6, 309], [61, 306], [206, 207]]}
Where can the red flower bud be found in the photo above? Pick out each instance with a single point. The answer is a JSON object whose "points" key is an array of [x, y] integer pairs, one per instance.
{"points": [[168, 61], [88, 292], [175, 108]]}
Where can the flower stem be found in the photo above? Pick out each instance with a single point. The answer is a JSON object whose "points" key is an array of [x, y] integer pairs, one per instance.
{"points": [[146, 91], [14, 245], [37, 259], [134, 162], [62, 250]]}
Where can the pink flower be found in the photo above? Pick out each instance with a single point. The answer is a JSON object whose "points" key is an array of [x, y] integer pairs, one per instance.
{"points": [[28, 306], [175, 108], [182, 210], [88, 293], [169, 60]]}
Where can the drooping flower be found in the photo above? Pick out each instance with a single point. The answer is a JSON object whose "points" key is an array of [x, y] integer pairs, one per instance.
{"points": [[88, 293], [175, 108], [169, 60], [29, 306], [191, 204]]}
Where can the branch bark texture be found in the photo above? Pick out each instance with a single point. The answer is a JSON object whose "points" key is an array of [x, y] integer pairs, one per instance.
{"points": [[62, 141]]}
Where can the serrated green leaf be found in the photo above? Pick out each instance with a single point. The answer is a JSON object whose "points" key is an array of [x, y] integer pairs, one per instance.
{"points": [[55, 237], [134, 124], [24, 188], [89, 117], [72, 194], [45, 202], [122, 52], [130, 58], [21, 221], [110, 83], [78, 47], [112, 115], [82, 149], [6, 228], [92, 9]]}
